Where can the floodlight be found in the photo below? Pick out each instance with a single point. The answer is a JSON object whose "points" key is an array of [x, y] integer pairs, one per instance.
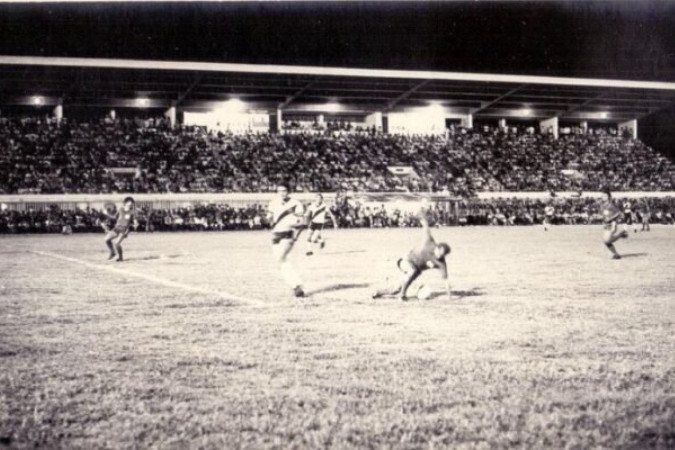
{"points": [[332, 107]]}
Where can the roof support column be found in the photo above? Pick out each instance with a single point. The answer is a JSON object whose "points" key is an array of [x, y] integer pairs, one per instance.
{"points": [[631, 127], [276, 121], [550, 126], [374, 120], [58, 112], [171, 115], [467, 121]]}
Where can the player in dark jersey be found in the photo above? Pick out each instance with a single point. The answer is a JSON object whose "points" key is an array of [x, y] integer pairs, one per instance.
{"points": [[428, 255], [611, 214], [123, 221], [645, 214]]}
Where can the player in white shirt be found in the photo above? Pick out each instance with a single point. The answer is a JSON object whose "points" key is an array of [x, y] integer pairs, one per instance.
{"points": [[316, 216], [549, 213], [286, 219]]}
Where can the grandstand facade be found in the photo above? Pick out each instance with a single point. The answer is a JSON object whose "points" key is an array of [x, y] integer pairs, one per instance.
{"points": [[78, 132]]}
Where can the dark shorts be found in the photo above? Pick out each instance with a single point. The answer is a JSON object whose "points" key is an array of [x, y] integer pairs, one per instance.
{"points": [[280, 236], [121, 230], [316, 226]]}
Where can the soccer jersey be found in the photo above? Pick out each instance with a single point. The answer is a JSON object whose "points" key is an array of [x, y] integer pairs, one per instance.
{"points": [[285, 214], [124, 220], [423, 258], [610, 212], [317, 213]]}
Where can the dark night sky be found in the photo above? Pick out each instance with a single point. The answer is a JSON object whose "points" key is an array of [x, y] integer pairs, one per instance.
{"points": [[629, 39], [626, 39]]}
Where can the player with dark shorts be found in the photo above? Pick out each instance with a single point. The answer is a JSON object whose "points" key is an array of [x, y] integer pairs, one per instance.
{"points": [[428, 255], [123, 222], [286, 218], [316, 216], [611, 215]]}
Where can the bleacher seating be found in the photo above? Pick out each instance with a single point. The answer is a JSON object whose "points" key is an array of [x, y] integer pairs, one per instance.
{"points": [[39, 156]]}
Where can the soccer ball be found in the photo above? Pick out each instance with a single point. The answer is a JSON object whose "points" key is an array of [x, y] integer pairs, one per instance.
{"points": [[424, 292]]}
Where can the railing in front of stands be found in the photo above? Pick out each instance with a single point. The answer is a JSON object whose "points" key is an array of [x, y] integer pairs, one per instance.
{"points": [[23, 202]]}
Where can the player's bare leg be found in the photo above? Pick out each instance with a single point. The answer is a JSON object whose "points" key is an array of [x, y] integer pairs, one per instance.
{"points": [[118, 246], [109, 237], [281, 251], [310, 242], [610, 238], [410, 275]]}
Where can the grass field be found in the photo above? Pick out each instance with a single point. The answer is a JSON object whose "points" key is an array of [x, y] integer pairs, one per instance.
{"points": [[195, 342]]}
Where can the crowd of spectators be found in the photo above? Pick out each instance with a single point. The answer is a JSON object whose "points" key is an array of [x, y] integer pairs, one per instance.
{"points": [[37, 155], [349, 214], [568, 211], [580, 159]]}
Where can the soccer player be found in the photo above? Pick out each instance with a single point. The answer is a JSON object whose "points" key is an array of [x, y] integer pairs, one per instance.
{"points": [[629, 216], [123, 221], [611, 215], [317, 220], [286, 219], [645, 214], [549, 212], [427, 255]]}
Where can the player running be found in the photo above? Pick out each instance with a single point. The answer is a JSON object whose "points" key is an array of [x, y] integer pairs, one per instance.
{"points": [[285, 215], [428, 255], [123, 220], [317, 220], [611, 215]]}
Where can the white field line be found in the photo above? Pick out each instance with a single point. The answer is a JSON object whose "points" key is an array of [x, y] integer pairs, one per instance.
{"points": [[156, 280]]}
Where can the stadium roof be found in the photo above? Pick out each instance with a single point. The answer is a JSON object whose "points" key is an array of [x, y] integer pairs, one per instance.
{"points": [[27, 80]]}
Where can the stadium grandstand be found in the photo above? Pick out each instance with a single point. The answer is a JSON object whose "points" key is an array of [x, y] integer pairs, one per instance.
{"points": [[85, 129], [337, 224], [157, 127]]}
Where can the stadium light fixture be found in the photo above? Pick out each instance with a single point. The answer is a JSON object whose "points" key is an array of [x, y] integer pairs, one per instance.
{"points": [[434, 107], [332, 107], [37, 100], [142, 102], [233, 105], [527, 112], [604, 115]]}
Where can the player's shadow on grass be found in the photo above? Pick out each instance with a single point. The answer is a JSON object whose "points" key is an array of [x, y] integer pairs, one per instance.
{"points": [[634, 255], [473, 292], [337, 287]]}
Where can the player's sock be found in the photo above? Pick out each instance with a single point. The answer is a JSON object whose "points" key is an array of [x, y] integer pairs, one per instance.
{"points": [[120, 257], [109, 244], [615, 254]]}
